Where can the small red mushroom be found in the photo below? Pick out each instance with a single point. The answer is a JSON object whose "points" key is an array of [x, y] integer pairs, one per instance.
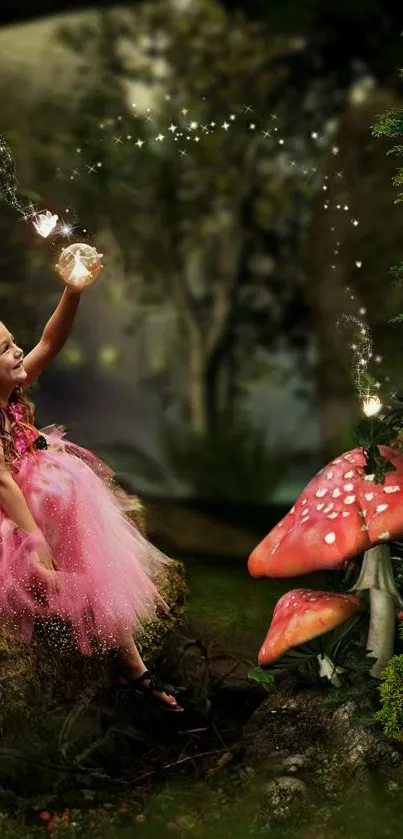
{"points": [[301, 615], [341, 513]]}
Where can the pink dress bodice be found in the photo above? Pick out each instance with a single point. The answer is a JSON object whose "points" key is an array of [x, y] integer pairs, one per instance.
{"points": [[24, 434]]}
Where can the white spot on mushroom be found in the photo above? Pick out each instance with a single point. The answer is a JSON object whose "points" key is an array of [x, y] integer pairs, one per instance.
{"points": [[333, 515], [391, 489], [303, 502], [349, 474], [328, 508], [369, 496], [336, 492], [349, 499], [329, 475], [337, 460], [321, 492], [348, 487], [330, 538], [380, 508], [292, 510], [385, 535], [369, 478], [345, 513], [364, 527], [320, 507]]}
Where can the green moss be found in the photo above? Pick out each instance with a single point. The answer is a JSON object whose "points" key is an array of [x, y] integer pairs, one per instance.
{"points": [[391, 714], [226, 602]]}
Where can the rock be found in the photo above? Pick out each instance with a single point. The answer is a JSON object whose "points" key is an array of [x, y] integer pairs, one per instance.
{"points": [[301, 735], [363, 747], [283, 723], [283, 796], [295, 763], [392, 786]]}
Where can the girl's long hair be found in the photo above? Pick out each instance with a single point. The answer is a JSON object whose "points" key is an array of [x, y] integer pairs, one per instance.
{"points": [[7, 439]]}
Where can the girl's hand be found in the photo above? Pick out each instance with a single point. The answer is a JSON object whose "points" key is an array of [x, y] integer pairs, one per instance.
{"points": [[47, 568], [45, 558], [49, 579]]}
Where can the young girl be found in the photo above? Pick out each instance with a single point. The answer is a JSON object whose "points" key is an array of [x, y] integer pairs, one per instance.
{"points": [[66, 547]]}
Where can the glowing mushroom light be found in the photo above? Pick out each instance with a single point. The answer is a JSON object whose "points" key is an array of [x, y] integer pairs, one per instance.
{"points": [[342, 513], [371, 405]]}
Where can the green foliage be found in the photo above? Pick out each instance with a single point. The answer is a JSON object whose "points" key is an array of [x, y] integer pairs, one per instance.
{"points": [[261, 676], [371, 433], [343, 646], [397, 272], [390, 124], [232, 462], [391, 690]]}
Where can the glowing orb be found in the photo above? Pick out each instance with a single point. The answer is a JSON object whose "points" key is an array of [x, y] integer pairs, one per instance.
{"points": [[79, 265], [371, 405], [45, 223]]}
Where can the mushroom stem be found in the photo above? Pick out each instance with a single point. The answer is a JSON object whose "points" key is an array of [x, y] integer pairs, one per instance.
{"points": [[377, 577], [381, 633]]}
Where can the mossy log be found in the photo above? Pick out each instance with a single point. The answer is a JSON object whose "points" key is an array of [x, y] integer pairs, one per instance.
{"points": [[51, 696]]}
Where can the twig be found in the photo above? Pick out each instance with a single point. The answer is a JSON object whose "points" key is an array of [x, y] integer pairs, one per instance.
{"points": [[178, 763]]}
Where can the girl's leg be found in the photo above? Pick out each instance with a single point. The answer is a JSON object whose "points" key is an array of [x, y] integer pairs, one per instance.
{"points": [[134, 667]]}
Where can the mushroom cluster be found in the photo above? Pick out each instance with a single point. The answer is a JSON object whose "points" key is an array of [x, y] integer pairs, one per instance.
{"points": [[341, 513]]}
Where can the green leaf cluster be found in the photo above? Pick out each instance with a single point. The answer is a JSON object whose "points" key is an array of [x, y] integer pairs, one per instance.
{"points": [[370, 434], [391, 714], [390, 124]]}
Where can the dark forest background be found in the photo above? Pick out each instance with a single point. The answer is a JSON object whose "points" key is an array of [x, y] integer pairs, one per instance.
{"points": [[206, 361]]}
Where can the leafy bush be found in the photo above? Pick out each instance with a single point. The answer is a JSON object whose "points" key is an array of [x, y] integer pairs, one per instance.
{"points": [[233, 462], [391, 714]]}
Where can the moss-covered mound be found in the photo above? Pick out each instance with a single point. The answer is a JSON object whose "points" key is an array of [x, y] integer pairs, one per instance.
{"points": [[55, 704]]}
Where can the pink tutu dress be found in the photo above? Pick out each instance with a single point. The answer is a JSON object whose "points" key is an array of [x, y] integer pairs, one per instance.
{"points": [[105, 566]]}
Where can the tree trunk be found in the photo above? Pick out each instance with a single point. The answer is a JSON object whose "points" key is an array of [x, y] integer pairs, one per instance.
{"points": [[199, 418], [211, 391], [211, 382]]}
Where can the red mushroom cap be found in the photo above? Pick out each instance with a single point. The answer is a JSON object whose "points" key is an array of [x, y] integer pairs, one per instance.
{"points": [[340, 513], [301, 615]]}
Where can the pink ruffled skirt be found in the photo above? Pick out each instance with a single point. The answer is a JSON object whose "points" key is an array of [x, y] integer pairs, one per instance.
{"points": [[105, 566]]}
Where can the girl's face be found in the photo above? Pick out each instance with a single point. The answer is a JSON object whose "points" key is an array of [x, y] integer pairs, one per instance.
{"points": [[12, 372]]}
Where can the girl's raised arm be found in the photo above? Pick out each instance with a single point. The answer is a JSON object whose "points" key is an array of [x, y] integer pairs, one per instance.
{"points": [[54, 335]]}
